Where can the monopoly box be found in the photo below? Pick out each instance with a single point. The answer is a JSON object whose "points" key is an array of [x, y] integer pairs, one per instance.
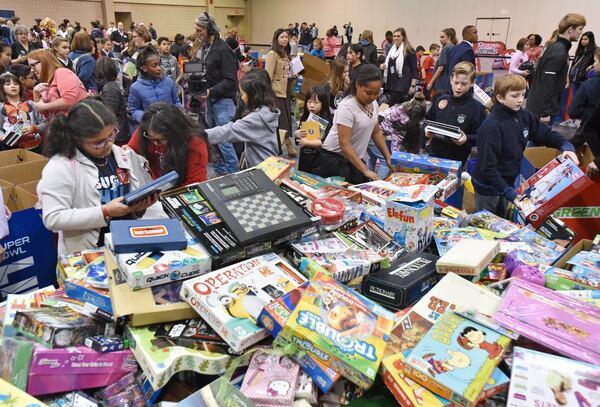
{"points": [[408, 162], [340, 328], [409, 216], [230, 299], [149, 269]]}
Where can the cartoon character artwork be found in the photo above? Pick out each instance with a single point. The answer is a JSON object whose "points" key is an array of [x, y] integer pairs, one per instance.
{"points": [[242, 302], [278, 388], [348, 320], [473, 338], [560, 385], [559, 325], [457, 360]]}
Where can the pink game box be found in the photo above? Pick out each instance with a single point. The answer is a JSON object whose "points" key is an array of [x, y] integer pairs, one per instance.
{"points": [[559, 322], [68, 369]]}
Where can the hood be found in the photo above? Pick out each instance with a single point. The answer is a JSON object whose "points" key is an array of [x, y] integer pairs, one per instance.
{"points": [[267, 117]]}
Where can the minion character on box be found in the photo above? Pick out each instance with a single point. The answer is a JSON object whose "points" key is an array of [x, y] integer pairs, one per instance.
{"points": [[242, 302]]}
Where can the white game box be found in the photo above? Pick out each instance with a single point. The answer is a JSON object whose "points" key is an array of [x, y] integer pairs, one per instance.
{"points": [[149, 269], [230, 299]]}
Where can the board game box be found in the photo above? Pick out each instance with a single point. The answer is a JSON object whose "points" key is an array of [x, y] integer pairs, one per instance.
{"points": [[188, 333], [558, 322], [489, 221], [12, 396], [408, 162], [546, 380], [71, 265], [15, 360], [103, 344], [149, 269], [230, 299], [147, 235], [271, 380], [560, 279], [405, 179], [86, 293], [586, 262], [549, 188], [376, 192], [556, 231], [341, 328], [456, 358], [409, 216], [544, 250], [369, 235], [403, 283], [468, 257], [452, 292], [446, 238], [276, 168]]}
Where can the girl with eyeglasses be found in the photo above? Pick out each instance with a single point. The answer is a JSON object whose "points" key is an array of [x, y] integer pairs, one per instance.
{"points": [[83, 184]]}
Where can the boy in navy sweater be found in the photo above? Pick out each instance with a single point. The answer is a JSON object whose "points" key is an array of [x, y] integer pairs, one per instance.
{"points": [[501, 140], [459, 109]]}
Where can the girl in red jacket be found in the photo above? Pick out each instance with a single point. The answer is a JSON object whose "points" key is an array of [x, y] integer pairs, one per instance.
{"points": [[171, 142]]}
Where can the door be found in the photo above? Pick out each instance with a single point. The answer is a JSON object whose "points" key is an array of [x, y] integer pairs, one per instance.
{"points": [[493, 28], [125, 18]]}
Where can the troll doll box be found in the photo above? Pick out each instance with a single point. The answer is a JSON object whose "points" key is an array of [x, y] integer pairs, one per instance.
{"points": [[341, 328]]}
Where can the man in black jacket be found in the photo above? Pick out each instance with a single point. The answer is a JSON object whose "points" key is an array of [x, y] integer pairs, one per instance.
{"points": [[550, 75], [220, 67], [305, 37]]}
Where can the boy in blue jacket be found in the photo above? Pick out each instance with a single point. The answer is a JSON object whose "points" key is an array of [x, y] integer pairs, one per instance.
{"points": [[501, 140]]}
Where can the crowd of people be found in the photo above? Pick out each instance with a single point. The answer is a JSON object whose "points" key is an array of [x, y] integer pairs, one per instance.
{"points": [[101, 104]]}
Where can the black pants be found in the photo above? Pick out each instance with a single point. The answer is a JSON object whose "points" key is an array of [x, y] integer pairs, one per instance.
{"points": [[332, 164]]}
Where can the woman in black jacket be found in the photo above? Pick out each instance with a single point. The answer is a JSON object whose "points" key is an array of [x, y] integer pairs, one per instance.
{"points": [[400, 71], [584, 59], [369, 49]]}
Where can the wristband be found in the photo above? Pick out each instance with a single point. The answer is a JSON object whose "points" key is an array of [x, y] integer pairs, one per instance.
{"points": [[105, 214]]}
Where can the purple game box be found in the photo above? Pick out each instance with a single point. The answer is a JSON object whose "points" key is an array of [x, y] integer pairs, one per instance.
{"points": [[68, 369], [559, 322]]}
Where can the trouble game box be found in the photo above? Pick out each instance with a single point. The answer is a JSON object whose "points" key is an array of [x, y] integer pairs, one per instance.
{"points": [[230, 299]]}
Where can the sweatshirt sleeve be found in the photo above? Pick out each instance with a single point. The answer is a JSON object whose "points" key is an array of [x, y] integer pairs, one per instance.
{"points": [[543, 135], [243, 130], [514, 64], [489, 146], [136, 106], [229, 70]]}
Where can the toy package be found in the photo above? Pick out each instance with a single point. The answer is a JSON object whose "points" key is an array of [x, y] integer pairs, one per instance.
{"points": [[549, 188], [376, 192], [559, 279], [342, 329], [403, 283], [147, 235], [71, 265], [589, 296], [556, 321], [103, 344], [276, 168], [405, 179], [218, 393], [556, 231], [310, 185], [456, 358], [149, 269], [16, 302], [230, 299], [86, 293], [468, 257], [586, 262], [544, 250], [12, 396], [408, 162], [409, 216], [452, 292], [442, 222], [15, 360], [271, 380], [489, 221], [547, 380], [446, 238], [370, 235], [188, 333]]}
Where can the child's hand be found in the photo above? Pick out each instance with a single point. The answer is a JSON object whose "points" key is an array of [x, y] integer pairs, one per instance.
{"points": [[571, 155], [116, 208], [462, 140], [300, 134]]}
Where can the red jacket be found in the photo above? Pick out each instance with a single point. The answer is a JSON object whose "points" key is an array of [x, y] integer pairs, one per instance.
{"points": [[197, 157]]}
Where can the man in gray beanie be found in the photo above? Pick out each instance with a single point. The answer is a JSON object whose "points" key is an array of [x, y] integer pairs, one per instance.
{"points": [[221, 80]]}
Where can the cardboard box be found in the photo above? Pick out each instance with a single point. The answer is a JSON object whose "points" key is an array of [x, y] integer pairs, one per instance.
{"points": [[5, 184], [19, 156], [468, 257], [316, 72], [540, 156], [18, 199], [22, 173], [16, 396], [30, 187], [582, 245], [146, 306]]}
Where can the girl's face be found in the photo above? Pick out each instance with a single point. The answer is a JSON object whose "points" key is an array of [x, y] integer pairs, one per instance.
{"points": [[526, 46], [368, 93], [100, 145], [5, 57], [11, 88], [62, 49], [137, 40], [243, 95], [460, 84], [28, 81], [346, 75], [36, 67], [283, 39], [398, 38], [444, 39], [351, 56], [314, 105], [585, 41], [513, 99], [152, 67]]}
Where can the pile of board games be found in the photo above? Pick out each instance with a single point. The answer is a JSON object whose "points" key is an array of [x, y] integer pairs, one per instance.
{"points": [[395, 298]]}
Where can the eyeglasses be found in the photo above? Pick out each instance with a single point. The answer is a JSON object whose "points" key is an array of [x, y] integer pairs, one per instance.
{"points": [[154, 140], [101, 144]]}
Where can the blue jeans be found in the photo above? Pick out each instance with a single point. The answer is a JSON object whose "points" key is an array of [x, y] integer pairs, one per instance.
{"points": [[218, 113], [374, 155]]}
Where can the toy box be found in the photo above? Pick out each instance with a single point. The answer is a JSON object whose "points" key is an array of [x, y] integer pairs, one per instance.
{"points": [[81, 291], [103, 344], [550, 187], [544, 250], [342, 329], [489, 221], [230, 299], [556, 231], [16, 302], [12, 396], [370, 235], [276, 168], [271, 380], [586, 262], [216, 394], [149, 269], [73, 265], [558, 322], [452, 292], [408, 162], [546, 380], [56, 327], [189, 333], [376, 192], [62, 370], [405, 179], [147, 235], [446, 238], [456, 358], [468, 257], [160, 359], [15, 359], [409, 216], [560, 279], [403, 283]]}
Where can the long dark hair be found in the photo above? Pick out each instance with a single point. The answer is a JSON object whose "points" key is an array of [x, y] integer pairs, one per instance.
{"points": [[591, 44], [6, 77], [321, 93], [257, 85], [364, 74], [168, 121], [281, 51], [84, 120], [106, 71], [415, 110]]}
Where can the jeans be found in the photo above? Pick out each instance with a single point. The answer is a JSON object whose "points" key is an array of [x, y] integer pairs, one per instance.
{"points": [[374, 155], [305, 48], [218, 113], [496, 204]]}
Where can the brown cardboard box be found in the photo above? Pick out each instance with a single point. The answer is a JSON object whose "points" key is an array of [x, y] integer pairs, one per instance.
{"points": [[4, 183], [19, 156], [17, 199], [540, 156], [140, 305], [582, 245], [30, 187], [23, 173], [316, 72]]}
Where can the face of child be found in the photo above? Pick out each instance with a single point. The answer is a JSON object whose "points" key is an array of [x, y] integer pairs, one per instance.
{"points": [[346, 75], [164, 47], [513, 99], [368, 93], [585, 41], [100, 145], [317, 44], [11, 88], [108, 46], [460, 84], [526, 46], [294, 39], [314, 105], [435, 52], [351, 56], [243, 95], [152, 67], [283, 39], [5, 57], [62, 50], [28, 81]]}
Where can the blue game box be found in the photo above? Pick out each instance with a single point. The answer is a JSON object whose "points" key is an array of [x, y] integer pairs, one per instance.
{"points": [[147, 235], [407, 162]]}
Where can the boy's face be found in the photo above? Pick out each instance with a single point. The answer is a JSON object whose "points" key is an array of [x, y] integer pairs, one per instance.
{"points": [[460, 84], [108, 46], [513, 99], [164, 47]]}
